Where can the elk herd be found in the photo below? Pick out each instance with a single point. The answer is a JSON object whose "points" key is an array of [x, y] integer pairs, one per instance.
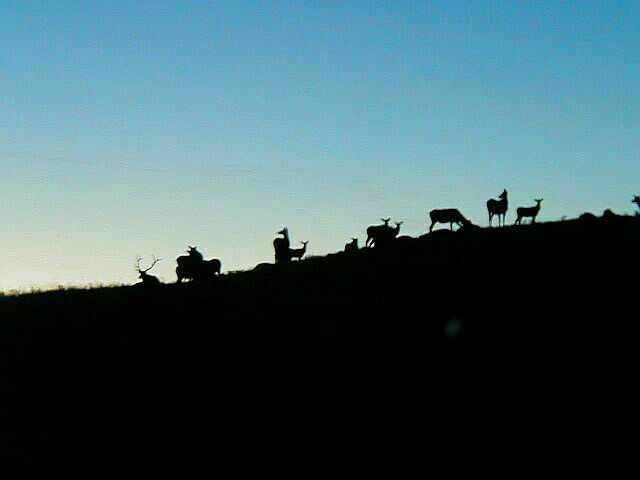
{"points": [[195, 268]]}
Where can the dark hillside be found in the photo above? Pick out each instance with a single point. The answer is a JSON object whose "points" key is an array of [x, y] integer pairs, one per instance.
{"points": [[470, 349]]}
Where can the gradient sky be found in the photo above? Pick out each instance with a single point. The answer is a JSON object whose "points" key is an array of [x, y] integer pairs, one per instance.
{"points": [[143, 127]]}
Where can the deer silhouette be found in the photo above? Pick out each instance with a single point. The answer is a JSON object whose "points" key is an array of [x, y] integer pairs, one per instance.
{"points": [[147, 280], [352, 246], [528, 212], [498, 207], [386, 236], [636, 200], [194, 267], [374, 230], [298, 252], [281, 246], [447, 215]]}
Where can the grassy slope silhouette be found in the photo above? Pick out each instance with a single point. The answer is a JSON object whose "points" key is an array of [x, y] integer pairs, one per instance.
{"points": [[480, 348]]}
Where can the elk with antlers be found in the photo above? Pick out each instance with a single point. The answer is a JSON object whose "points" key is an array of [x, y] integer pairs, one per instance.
{"points": [[147, 280]]}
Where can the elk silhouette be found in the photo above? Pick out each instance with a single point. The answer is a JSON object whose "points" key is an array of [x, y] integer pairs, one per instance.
{"points": [[447, 215], [387, 235], [528, 212], [375, 230], [281, 246], [636, 200], [298, 252], [147, 280], [194, 267], [498, 207], [352, 246]]}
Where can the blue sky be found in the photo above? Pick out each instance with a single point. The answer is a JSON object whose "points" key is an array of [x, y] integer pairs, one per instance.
{"points": [[143, 127]]}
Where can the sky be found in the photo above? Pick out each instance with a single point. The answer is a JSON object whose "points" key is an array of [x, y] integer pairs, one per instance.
{"points": [[143, 127]]}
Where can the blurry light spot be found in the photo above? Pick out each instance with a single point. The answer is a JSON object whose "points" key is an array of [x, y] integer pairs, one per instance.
{"points": [[453, 327]]}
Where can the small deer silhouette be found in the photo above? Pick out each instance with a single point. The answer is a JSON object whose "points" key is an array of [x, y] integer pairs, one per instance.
{"points": [[386, 236], [636, 200], [147, 280], [298, 252], [532, 212], [352, 246], [498, 207], [374, 230]]}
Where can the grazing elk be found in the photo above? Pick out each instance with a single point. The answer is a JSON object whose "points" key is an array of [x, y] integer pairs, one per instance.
{"points": [[298, 252], [525, 212], [147, 280], [352, 246], [374, 230], [281, 246], [498, 207], [636, 200], [194, 267], [447, 215]]}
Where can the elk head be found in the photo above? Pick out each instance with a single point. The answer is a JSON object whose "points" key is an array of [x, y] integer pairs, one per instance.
{"points": [[143, 273]]}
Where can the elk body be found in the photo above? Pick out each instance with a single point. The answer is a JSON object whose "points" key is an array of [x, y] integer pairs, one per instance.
{"points": [[298, 252], [352, 246], [384, 237], [281, 246], [147, 280], [498, 207], [374, 231], [528, 212], [447, 215], [194, 267], [636, 200]]}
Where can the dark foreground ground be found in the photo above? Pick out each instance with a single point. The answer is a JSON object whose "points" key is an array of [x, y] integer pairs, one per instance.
{"points": [[504, 348]]}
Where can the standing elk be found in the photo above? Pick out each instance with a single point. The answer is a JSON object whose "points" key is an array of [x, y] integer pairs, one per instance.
{"points": [[352, 246], [386, 236], [281, 246], [147, 280], [636, 200], [194, 267], [526, 212], [447, 215], [498, 207], [298, 252], [374, 231]]}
